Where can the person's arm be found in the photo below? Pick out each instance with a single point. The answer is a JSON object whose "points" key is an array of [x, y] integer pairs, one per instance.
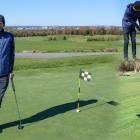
{"points": [[12, 57], [136, 24]]}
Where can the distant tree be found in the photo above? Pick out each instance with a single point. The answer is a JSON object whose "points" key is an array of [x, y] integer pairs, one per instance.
{"points": [[66, 31]]}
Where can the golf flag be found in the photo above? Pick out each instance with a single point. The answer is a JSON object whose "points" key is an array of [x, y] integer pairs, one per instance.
{"points": [[86, 76]]}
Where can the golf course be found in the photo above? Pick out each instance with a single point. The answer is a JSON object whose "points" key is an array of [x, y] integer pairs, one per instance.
{"points": [[47, 93]]}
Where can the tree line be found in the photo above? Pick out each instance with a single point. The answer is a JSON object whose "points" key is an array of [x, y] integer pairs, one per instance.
{"points": [[65, 31]]}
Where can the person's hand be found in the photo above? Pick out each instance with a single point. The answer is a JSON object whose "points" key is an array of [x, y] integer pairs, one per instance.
{"points": [[138, 28], [11, 76]]}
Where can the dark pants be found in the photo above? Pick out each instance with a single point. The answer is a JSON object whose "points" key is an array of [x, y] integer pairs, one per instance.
{"points": [[132, 34], [3, 87]]}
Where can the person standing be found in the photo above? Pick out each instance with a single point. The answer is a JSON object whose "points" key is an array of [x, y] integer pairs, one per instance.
{"points": [[129, 24], [7, 54]]}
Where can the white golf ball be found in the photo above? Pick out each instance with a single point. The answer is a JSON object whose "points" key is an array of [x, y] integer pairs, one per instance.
{"points": [[86, 72], [82, 74], [85, 79], [89, 77]]}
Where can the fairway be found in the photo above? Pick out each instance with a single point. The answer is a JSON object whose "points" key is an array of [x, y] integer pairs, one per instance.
{"points": [[74, 43]]}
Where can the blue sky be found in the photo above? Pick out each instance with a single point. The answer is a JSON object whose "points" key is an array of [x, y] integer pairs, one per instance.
{"points": [[63, 12]]}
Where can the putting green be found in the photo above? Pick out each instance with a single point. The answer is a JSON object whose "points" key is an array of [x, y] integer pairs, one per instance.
{"points": [[47, 102]]}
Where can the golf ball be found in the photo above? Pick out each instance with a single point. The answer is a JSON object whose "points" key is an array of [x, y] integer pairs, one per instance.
{"points": [[85, 79], [86, 72], [89, 77], [82, 74]]}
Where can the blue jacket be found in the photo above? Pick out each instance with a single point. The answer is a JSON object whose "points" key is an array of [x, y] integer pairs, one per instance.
{"points": [[7, 49], [130, 18]]}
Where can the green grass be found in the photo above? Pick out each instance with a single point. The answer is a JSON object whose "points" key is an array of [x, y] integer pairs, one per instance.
{"points": [[127, 123], [23, 64], [46, 89], [72, 44], [46, 97]]}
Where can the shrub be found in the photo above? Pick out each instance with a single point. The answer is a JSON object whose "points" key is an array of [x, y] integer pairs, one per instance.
{"points": [[110, 50], [51, 38], [64, 38], [126, 66], [104, 38]]}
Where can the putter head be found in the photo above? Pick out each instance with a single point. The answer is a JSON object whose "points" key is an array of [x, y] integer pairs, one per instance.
{"points": [[20, 127]]}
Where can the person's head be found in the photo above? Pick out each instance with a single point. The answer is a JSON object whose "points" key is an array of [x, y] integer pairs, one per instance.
{"points": [[2, 21], [136, 6]]}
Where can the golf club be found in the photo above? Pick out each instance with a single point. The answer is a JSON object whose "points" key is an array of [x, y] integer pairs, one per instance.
{"points": [[20, 126]]}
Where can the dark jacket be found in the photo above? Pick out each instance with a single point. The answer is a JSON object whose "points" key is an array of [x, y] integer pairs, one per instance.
{"points": [[7, 49], [130, 18]]}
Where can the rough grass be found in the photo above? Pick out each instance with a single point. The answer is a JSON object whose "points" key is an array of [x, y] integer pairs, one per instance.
{"points": [[104, 38], [71, 44]]}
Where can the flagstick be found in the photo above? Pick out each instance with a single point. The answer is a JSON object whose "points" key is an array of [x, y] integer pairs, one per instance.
{"points": [[78, 95]]}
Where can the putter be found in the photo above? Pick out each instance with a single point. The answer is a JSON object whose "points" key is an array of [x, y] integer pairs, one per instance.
{"points": [[20, 126]]}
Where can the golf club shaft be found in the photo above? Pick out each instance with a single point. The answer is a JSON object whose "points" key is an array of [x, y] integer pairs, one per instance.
{"points": [[13, 87]]}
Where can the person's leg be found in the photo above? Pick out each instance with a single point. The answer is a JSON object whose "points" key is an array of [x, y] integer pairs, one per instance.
{"points": [[133, 41], [3, 87], [126, 42]]}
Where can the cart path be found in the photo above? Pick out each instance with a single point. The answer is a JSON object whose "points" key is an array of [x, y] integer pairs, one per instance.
{"points": [[59, 55]]}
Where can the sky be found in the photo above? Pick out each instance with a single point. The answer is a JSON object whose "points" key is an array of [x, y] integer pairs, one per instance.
{"points": [[63, 12]]}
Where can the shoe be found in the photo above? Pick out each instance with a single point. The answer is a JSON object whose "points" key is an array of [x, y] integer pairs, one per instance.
{"points": [[134, 59], [125, 59]]}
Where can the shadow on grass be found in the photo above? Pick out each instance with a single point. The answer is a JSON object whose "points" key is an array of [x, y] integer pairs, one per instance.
{"points": [[48, 113], [113, 103], [138, 115]]}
